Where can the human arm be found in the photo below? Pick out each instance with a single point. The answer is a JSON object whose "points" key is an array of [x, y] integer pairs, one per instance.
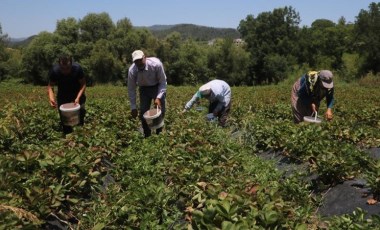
{"points": [[131, 82], [82, 83], [162, 84], [50, 89], [194, 99], [52, 81], [330, 103]]}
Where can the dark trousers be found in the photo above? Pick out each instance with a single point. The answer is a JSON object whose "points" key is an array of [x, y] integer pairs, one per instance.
{"points": [[147, 95], [223, 113]]}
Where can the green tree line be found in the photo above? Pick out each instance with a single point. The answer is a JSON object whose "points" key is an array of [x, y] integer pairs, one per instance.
{"points": [[274, 46]]}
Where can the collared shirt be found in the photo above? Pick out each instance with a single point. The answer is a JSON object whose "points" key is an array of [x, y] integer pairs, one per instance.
{"points": [[220, 91], [153, 74]]}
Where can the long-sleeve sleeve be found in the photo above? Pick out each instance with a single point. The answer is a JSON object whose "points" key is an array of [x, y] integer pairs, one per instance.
{"points": [[161, 81], [194, 99], [330, 98]]}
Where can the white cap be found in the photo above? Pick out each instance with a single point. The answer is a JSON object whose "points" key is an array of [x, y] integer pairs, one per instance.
{"points": [[205, 90], [137, 54]]}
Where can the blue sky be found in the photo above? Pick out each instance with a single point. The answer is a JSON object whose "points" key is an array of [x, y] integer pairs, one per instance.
{"points": [[23, 18]]}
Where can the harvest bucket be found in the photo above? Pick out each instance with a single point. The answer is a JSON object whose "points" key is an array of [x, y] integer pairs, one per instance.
{"points": [[313, 119], [70, 114], [154, 118]]}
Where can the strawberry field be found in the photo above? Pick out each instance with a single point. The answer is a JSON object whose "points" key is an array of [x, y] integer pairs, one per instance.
{"points": [[195, 175]]}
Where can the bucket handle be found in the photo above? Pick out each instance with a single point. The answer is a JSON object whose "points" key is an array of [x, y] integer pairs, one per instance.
{"points": [[158, 107], [316, 115]]}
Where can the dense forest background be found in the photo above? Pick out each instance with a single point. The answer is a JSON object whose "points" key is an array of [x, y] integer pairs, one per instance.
{"points": [[264, 49]]}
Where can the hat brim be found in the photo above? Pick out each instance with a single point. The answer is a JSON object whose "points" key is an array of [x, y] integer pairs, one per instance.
{"points": [[328, 85], [138, 58]]}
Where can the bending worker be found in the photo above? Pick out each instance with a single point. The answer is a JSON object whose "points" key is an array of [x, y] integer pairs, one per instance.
{"points": [[308, 92], [218, 93]]}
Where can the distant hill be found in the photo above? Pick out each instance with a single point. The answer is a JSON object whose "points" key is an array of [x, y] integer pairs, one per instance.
{"points": [[196, 32], [20, 42]]}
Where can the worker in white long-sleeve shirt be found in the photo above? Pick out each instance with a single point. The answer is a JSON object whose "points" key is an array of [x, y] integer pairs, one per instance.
{"points": [[148, 74], [218, 93]]}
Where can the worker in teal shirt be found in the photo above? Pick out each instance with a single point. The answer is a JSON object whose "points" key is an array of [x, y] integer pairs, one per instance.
{"points": [[218, 92]]}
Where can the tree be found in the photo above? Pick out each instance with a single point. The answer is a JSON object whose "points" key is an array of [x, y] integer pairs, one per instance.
{"points": [[168, 51], [271, 33], [68, 31], [3, 55], [95, 26], [39, 56], [103, 65], [322, 46], [122, 40], [367, 37], [322, 24], [229, 62], [189, 65]]}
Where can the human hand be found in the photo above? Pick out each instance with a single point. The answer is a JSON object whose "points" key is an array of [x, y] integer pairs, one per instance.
{"points": [[183, 111], [134, 113], [52, 103], [329, 114], [157, 102], [76, 101]]}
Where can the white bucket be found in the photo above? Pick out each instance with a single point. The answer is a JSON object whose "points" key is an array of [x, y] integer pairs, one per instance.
{"points": [[313, 119], [70, 114], [154, 118]]}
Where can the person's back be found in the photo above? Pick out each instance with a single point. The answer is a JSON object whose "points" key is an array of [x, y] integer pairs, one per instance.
{"points": [[218, 92]]}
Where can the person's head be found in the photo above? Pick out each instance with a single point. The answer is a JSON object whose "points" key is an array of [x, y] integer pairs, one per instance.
{"points": [[65, 63], [204, 91], [326, 77], [139, 59]]}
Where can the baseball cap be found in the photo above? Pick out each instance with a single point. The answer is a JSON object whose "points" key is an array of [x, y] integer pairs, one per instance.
{"points": [[137, 54], [326, 77]]}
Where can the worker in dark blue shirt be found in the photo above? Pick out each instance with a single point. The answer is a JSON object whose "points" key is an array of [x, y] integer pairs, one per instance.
{"points": [[308, 92], [71, 83]]}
